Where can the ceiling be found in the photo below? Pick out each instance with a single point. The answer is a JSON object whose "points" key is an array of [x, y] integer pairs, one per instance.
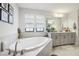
{"points": [[51, 7]]}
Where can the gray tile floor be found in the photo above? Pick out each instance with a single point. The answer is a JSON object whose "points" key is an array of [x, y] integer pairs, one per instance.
{"points": [[67, 50]]}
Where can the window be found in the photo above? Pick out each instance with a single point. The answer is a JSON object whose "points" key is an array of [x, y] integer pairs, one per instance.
{"points": [[34, 23], [40, 23], [29, 23]]}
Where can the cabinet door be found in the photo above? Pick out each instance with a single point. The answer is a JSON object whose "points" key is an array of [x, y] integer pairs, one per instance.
{"points": [[70, 36], [53, 39], [67, 38], [73, 38], [53, 36], [74, 35], [57, 39], [62, 39]]}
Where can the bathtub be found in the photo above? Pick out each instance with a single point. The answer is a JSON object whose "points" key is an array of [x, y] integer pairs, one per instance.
{"points": [[29, 44]]}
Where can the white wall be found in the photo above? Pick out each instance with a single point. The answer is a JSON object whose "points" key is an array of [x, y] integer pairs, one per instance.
{"points": [[70, 20], [9, 31], [77, 30], [6, 28]]}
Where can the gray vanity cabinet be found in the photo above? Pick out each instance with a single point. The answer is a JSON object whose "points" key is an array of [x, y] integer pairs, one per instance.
{"points": [[53, 39], [63, 38], [56, 39], [73, 37]]}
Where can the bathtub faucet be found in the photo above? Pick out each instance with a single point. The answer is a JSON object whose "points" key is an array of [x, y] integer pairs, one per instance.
{"points": [[15, 52]]}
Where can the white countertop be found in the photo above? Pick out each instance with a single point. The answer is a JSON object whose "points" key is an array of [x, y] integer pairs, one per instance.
{"points": [[62, 32]]}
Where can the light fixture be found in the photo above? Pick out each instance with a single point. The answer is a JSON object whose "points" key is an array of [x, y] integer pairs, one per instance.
{"points": [[58, 15], [50, 21]]}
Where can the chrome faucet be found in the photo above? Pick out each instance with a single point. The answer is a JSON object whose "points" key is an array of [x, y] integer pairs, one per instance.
{"points": [[15, 52]]}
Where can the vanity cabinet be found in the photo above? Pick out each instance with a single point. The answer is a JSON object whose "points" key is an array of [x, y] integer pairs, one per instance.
{"points": [[63, 38]]}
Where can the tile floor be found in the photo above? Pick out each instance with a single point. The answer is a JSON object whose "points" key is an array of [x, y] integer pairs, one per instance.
{"points": [[67, 50]]}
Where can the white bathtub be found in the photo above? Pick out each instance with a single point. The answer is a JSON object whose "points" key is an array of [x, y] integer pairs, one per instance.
{"points": [[29, 44]]}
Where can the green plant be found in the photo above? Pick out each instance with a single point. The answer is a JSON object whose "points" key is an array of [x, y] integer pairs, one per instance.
{"points": [[48, 28], [52, 29]]}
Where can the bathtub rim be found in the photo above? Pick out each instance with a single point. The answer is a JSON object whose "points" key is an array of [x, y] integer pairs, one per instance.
{"points": [[39, 49]]}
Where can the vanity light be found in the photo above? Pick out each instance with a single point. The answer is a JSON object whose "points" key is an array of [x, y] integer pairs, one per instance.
{"points": [[50, 21], [58, 15]]}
